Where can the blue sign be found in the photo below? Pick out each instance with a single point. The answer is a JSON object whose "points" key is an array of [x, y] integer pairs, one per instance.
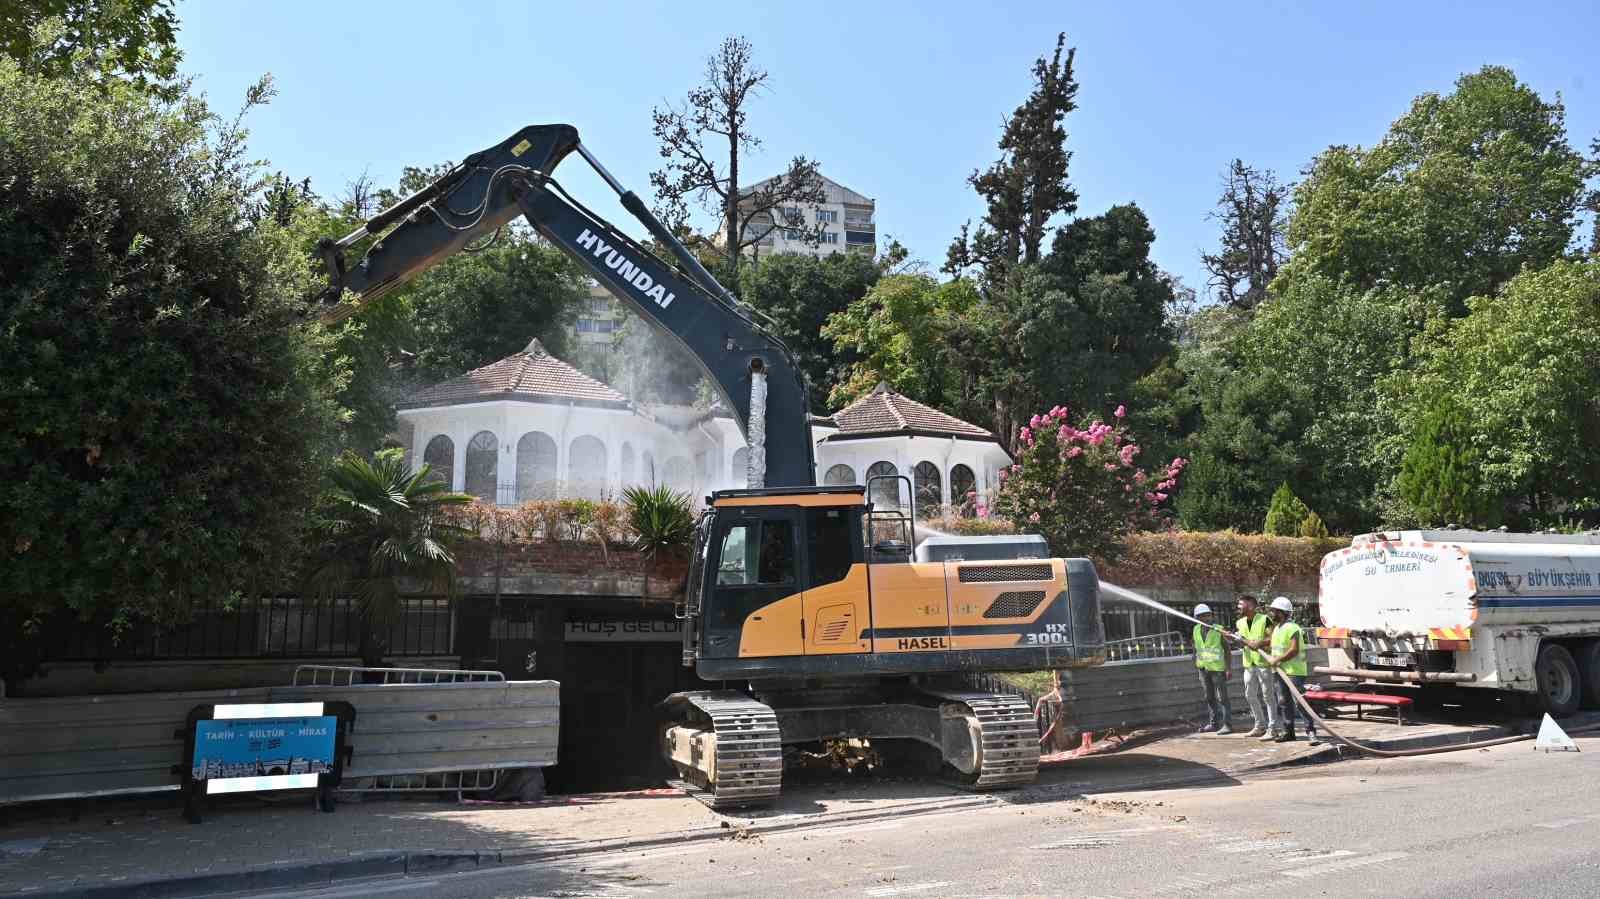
{"points": [[263, 748]]}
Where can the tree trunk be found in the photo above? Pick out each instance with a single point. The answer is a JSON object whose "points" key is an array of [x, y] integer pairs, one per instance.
{"points": [[733, 200]]}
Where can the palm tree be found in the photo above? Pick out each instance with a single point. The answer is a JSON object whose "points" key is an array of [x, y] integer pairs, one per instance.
{"points": [[383, 525]]}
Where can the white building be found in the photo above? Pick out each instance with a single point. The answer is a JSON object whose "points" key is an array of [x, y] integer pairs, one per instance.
{"points": [[533, 427], [847, 219]]}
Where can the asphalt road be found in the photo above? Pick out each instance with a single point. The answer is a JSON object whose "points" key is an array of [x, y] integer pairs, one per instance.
{"points": [[1508, 821]]}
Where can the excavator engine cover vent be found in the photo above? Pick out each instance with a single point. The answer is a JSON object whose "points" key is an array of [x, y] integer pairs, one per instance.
{"points": [[1014, 604], [985, 574]]}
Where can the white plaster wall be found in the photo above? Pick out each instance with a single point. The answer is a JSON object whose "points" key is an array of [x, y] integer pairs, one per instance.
{"points": [[708, 450], [509, 420]]}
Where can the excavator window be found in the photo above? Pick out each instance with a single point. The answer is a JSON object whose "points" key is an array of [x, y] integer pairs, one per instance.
{"points": [[757, 552], [777, 553], [832, 536]]}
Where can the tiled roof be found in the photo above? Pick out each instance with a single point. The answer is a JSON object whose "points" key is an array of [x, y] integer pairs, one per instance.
{"points": [[884, 412], [532, 375]]}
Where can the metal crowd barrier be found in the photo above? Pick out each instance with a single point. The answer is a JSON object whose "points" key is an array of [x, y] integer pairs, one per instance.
{"points": [[415, 730], [347, 676]]}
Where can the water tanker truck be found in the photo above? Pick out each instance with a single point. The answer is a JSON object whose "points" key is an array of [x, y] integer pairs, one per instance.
{"points": [[1516, 613]]}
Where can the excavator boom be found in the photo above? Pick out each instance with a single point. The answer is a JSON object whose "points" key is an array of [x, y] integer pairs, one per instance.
{"points": [[753, 371]]}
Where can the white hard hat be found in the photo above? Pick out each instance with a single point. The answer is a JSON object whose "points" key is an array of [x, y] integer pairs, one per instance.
{"points": [[1282, 604], [1202, 609]]}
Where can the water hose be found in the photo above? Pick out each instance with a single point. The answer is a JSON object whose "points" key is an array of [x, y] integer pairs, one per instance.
{"points": [[1311, 713], [1322, 725]]}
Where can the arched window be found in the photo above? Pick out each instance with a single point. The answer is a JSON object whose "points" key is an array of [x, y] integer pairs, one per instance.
{"points": [[648, 475], [625, 461], [930, 488], [678, 475], [586, 468], [440, 457], [536, 467], [839, 474], [483, 465], [884, 494], [741, 466], [963, 489]]}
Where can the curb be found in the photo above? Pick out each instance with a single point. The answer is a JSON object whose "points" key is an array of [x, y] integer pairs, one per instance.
{"points": [[400, 864]]}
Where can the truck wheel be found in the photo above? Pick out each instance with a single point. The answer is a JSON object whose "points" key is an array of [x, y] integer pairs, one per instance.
{"points": [[1589, 672], [1557, 676]]}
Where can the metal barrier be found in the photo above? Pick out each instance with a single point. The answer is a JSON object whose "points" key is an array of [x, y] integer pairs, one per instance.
{"points": [[1172, 644], [457, 782], [444, 728], [81, 746], [444, 736], [345, 676]]}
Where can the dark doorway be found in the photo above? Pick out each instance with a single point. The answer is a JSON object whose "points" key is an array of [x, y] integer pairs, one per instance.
{"points": [[610, 721]]}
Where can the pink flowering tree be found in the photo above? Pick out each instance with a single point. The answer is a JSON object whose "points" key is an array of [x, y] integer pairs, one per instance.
{"points": [[1081, 487]]}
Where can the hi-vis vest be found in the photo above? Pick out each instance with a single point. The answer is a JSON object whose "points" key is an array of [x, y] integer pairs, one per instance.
{"points": [[1208, 649], [1256, 631], [1281, 637]]}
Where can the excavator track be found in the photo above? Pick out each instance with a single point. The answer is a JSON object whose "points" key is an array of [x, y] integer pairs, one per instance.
{"points": [[1007, 735], [746, 761]]}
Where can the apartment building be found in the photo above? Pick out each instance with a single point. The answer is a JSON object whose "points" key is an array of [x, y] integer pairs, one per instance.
{"points": [[598, 317], [847, 219]]}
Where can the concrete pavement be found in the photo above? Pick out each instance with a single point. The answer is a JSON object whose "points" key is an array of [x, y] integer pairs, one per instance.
{"points": [[1498, 822], [120, 848]]}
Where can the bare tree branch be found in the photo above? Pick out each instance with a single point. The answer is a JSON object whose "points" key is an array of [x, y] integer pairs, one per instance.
{"points": [[702, 140]]}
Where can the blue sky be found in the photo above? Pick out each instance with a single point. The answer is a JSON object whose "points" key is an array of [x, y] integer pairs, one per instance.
{"points": [[900, 101]]}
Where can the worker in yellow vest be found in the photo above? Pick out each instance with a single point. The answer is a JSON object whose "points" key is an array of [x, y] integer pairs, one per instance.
{"points": [[1252, 631], [1288, 655], [1211, 660]]}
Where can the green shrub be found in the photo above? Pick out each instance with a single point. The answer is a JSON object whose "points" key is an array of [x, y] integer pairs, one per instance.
{"points": [[166, 411], [1285, 513], [1312, 527], [661, 519]]}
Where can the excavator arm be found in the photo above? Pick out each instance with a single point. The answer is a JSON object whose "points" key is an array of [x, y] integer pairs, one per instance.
{"points": [[753, 371]]}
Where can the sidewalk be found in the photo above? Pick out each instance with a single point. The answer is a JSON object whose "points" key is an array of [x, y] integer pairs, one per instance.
{"points": [[144, 848]]}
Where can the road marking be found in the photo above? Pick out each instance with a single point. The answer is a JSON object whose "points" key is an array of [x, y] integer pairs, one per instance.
{"points": [[1566, 822], [1314, 855], [1085, 843], [1359, 861], [908, 888], [1257, 846]]}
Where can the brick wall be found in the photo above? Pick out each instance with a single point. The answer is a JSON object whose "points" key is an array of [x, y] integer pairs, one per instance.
{"points": [[566, 568]]}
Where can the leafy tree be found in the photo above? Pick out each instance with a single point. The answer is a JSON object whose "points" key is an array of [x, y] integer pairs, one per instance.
{"points": [[1250, 441], [383, 526], [1338, 345], [1253, 212], [479, 307], [133, 39], [1027, 187], [798, 293], [164, 407], [908, 331], [1079, 488], [1285, 514], [1522, 365], [1464, 191], [702, 141], [1441, 475]]}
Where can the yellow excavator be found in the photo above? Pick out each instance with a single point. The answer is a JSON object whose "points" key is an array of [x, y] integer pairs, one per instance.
{"points": [[811, 610]]}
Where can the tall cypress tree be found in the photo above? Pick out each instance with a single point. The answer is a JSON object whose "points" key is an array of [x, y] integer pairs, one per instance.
{"points": [[1028, 185], [1439, 476]]}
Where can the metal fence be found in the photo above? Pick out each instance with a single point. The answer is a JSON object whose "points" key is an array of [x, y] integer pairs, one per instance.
{"points": [[1126, 620], [1171, 644], [265, 627]]}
